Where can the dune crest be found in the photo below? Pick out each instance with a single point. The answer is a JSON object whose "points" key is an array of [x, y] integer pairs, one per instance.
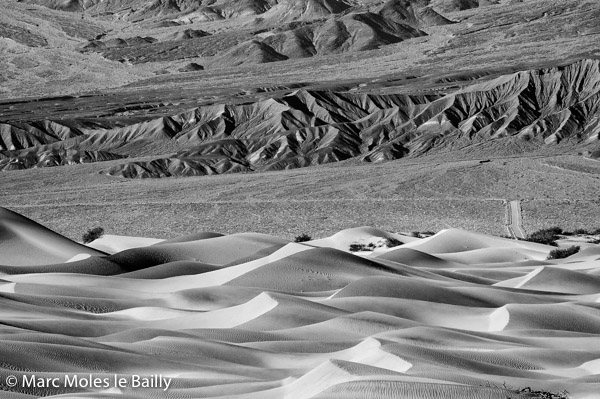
{"points": [[24, 242]]}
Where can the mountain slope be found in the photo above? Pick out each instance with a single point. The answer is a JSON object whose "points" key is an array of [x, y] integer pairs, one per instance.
{"points": [[516, 112], [417, 14], [292, 29], [353, 32]]}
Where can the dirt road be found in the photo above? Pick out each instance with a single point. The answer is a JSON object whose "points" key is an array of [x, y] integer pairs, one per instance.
{"points": [[514, 220]]}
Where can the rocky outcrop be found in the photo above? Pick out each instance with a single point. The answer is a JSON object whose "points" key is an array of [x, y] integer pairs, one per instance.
{"points": [[187, 34], [250, 52], [191, 67], [98, 45]]}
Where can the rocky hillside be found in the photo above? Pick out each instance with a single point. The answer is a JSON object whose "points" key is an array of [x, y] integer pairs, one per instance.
{"points": [[99, 46], [265, 31], [267, 12], [510, 113]]}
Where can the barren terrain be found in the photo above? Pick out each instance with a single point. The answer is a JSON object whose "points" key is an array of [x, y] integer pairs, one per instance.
{"points": [[300, 199], [435, 105], [402, 195]]}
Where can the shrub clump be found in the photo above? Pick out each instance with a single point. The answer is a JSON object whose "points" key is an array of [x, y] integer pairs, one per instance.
{"points": [[422, 234], [542, 394], [392, 242], [355, 247], [563, 253], [92, 234], [546, 236], [581, 232], [389, 243], [556, 230], [302, 238]]}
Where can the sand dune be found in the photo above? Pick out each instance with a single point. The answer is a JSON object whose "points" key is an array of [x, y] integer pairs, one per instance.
{"points": [[112, 243], [553, 279], [456, 240], [455, 315], [358, 235], [20, 236]]}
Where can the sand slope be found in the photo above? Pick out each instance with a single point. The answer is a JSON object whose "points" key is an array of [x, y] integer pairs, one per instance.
{"points": [[456, 315], [23, 242]]}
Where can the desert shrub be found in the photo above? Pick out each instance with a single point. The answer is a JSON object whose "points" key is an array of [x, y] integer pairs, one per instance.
{"points": [[581, 231], [389, 242], [563, 253], [355, 247], [556, 230], [422, 234], [545, 236], [92, 234], [302, 238], [542, 394], [392, 242]]}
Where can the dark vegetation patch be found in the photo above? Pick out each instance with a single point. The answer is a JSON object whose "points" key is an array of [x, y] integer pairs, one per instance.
{"points": [[356, 247], [302, 238], [422, 234], [542, 394], [545, 236], [392, 242], [563, 253], [389, 242], [92, 234], [580, 232], [550, 235]]}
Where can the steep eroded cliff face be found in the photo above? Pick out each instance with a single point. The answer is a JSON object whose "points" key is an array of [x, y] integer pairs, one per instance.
{"points": [[522, 111]]}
